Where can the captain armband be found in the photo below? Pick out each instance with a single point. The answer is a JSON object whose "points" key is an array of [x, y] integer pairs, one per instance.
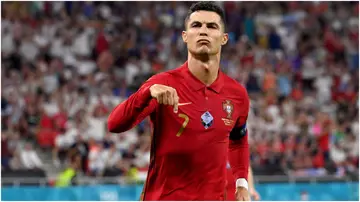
{"points": [[238, 132]]}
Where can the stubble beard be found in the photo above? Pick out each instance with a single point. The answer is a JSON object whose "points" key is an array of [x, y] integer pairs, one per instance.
{"points": [[203, 54]]}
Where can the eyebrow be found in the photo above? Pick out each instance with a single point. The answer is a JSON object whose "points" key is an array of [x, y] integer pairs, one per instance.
{"points": [[207, 23]]}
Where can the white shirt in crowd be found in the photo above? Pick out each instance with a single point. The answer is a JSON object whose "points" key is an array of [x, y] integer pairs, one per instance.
{"points": [[337, 154], [111, 158], [7, 43], [30, 159], [323, 86], [142, 158], [68, 138], [131, 70], [97, 128], [97, 159], [309, 70], [126, 139]]}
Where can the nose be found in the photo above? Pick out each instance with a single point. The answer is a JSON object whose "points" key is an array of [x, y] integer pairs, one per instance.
{"points": [[204, 30]]}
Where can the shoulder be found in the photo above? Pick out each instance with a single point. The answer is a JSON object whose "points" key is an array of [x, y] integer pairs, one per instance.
{"points": [[175, 73], [166, 75], [166, 78], [238, 94], [158, 76], [234, 88]]}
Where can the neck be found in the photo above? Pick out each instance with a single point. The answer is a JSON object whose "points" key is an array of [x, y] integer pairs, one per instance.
{"points": [[205, 69]]}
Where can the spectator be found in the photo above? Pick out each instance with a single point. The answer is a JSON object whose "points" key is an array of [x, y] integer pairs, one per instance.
{"points": [[269, 82], [97, 159], [274, 40], [5, 152], [338, 156], [142, 159], [69, 175], [80, 148], [323, 85], [29, 158], [112, 156]]}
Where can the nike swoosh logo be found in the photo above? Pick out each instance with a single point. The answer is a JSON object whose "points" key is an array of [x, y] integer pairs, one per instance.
{"points": [[185, 103]]}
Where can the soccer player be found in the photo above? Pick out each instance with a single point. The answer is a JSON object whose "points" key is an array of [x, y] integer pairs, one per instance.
{"points": [[198, 114]]}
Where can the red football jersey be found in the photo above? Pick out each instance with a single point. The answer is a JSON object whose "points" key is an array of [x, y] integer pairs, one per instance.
{"points": [[190, 148]]}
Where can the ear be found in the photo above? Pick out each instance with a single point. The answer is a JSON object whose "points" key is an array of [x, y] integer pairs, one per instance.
{"points": [[225, 39], [184, 36]]}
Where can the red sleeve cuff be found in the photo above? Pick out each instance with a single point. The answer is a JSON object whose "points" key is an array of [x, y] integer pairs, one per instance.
{"points": [[144, 98]]}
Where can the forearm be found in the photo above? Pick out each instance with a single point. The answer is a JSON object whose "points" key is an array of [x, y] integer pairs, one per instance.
{"points": [[138, 106], [129, 113], [251, 179], [239, 157]]}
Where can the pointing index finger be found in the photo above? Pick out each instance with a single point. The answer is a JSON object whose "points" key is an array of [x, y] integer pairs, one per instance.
{"points": [[176, 104]]}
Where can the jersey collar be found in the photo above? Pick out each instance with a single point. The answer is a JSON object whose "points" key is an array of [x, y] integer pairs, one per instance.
{"points": [[196, 84]]}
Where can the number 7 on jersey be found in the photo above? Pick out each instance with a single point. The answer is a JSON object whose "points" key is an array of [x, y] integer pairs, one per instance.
{"points": [[183, 126]]}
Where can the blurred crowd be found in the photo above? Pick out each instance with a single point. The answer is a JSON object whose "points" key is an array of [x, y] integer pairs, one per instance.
{"points": [[66, 65]]}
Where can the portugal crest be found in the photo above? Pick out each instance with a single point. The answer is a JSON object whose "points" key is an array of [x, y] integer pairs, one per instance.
{"points": [[228, 107]]}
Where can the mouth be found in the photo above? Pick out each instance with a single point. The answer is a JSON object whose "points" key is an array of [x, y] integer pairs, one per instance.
{"points": [[203, 41]]}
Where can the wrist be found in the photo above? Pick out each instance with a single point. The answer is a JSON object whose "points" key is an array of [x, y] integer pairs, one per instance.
{"points": [[242, 182], [145, 97], [147, 92]]}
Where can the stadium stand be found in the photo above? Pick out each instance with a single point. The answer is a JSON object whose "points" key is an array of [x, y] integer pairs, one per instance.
{"points": [[65, 65]]}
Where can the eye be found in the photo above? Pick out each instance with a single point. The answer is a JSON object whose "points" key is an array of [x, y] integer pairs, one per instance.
{"points": [[195, 24], [212, 26]]}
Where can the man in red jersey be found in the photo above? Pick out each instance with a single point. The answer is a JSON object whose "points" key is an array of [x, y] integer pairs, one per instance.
{"points": [[198, 115]]}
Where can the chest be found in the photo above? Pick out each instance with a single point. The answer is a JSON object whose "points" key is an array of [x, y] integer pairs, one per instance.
{"points": [[204, 119]]}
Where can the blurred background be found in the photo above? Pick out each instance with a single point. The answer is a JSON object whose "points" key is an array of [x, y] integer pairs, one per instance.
{"points": [[66, 65]]}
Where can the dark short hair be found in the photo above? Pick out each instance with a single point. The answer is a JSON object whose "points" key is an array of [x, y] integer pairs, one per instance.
{"points": [[206, 6]]}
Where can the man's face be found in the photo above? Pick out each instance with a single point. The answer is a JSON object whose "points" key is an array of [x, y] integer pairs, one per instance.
{"points": [[204, 33]]}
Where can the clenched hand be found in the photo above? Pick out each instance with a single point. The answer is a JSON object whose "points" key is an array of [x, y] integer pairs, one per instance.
{"points": [[165, 95]]}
